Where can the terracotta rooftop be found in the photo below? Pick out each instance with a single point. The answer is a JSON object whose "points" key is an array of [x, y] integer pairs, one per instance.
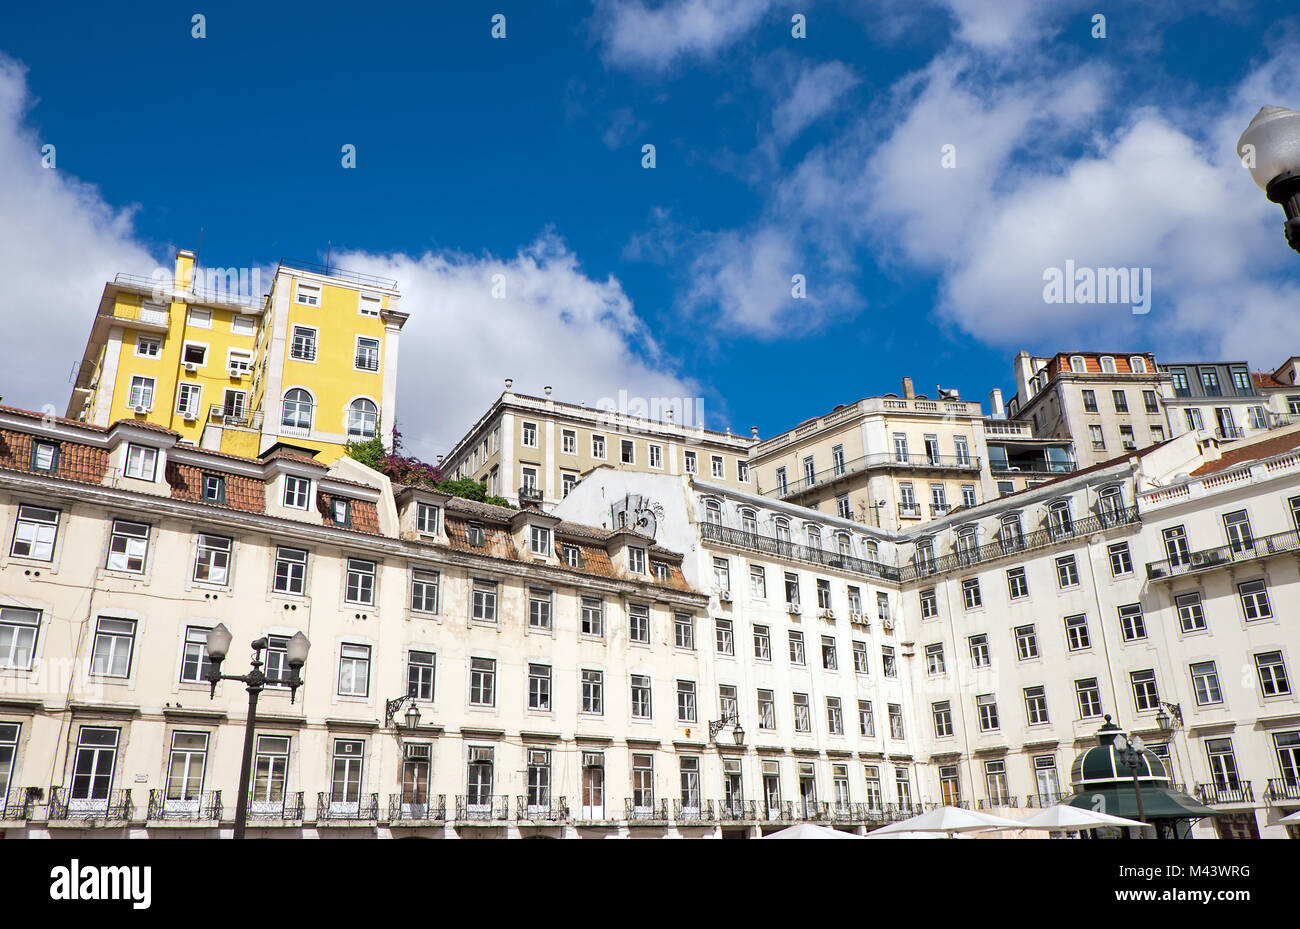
{"points": [[1257, 451], [1265, 379], [32, 414]]}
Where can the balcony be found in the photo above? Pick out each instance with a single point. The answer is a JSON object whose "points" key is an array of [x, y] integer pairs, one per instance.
{"points": [[737, 811], [1034, 469], [288, 809], [362, 811], [1045, 799], [146, 317], [205, 808], [1222, 793], [166, 289], [698, 813], [1019, 544], [17, 804], [909, 511], [484, 810], [235, 419], [646, 813], [408, 813], [1282, 789], [115, 809], [1207, 558], [552, 811], [782, 548], [820, 480], [1229, 432], [939, 509], [992, 803]]}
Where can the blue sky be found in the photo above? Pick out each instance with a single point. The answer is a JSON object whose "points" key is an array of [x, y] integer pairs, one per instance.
{"points": [[775, 156]]}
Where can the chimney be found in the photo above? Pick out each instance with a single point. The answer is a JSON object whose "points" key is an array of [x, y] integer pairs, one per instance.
{"points": [[909, 392], [1024, 371], [184, 272], [753, 431], [996, 408]]}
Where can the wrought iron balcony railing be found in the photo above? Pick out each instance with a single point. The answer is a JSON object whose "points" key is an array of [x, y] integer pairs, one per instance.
{"points": [[553, 810], [1054, 468], [1207, 558], [871, 462], [206, 807], [781, 548], [1046, 799], [1283, 789], [1225, 793], [701, 811], [428, 810], [737, 811], [364, 809], [996, 801], [289, 808], [652, 811], [1019, 544], [493, 808], [116, 807], [17, 804]]}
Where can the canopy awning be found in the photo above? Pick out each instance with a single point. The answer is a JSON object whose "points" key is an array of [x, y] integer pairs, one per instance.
{"points": [[1157, 803]]}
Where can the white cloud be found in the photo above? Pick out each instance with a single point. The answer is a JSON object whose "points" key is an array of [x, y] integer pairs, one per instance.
{"points": [[638, 36], [815, 92], [556, 327], [59, 243], [624, 127]]}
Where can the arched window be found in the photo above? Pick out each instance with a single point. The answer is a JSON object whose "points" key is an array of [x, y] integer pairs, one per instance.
{"points": [[713, 512], [1107, 364], [1111, 504], [782, 527], [1077, 364], [297, 409], [925, 556], [1010, 534], [748, 522], [363, 418], [814, 538], [843, 544], [967, 547], [1058, 517], [1137, 364], [873, 550]]}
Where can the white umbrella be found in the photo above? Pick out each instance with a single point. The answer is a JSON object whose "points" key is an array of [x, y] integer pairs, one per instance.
{"points": [[875, 834], [948, 820], [1292, 819], [1066, 818], [810, 831]]}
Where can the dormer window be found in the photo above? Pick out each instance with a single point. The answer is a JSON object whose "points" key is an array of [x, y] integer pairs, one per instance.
{"points": [[661, 572], [1107, 364], [426, 518], [713, 512], [1059, 518], [636, 560], [1077, 364], [297, 491], [475, 534], [571, 556], [141, 462], [45, 456], [341, 511], [539, 540], [214, 488], [1137, 365]]}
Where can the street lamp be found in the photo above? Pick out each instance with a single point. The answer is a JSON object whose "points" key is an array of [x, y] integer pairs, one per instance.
{"points": [[412, 712], [730, 719], [1170, 717], [218, 647], [1129, 753], [1270, 149]]}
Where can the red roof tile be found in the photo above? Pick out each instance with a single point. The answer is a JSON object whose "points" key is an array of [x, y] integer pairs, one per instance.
{"points": [[76, 462], [1268, 448]]}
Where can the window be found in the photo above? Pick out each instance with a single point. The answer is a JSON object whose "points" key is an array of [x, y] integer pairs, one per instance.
{"points": [[987, 706], [484, 607], [1287, 745], [482, 682], [539, 608], [18, 630], [742, 471], [1191, 618], [1223, 764], [45, 456], [802, 714], [363, 418], [593, 616], [627, 452], [539, 687], [92, 777], [270, 769], [689, 768], [1026, 643], [1145, 696], [34, 533], [855, 601], [127, 546], [895, 721], [369, 305], [889, 666], [1131, 623], [303, 345], [1036, 705], [1121, 401], [979, 651], [426, 518], [762, 644], [823, 594], [213, 488], [297, 409], [1098, 439], [686, 701], [1067, 572], [424, 591], [1236, 526], [1194, 421], [568, 480], [1176, 548], [970, 591], [297, 492], [529, 482], [796, 648], [539, 540], [638, 619], [636, 559], [643, 782], [478, 787], [354, 671], [141, 462], [308, 294], [1254, 600], [1126, 438], [1205, 683], [1089, 401], [829, 661], [188, 398], [834, 716], [367, 356], [641, 702], [860, 662], [360, 587], [1272, 674], [1076, 632], [866, 719], [1089, 696], [1210, 382], [758, 582], [766, 710], [684, 630], [968, 495], [114, 643], [598, 446], [1017, 584], [690, 463], [656, 453], [349, 764], [724, 642], [593, 692], [419, 675], [717, 466], [148, 346], [141, 394], [212, 559], [290, 570], [1121, 562], [529, 435]]}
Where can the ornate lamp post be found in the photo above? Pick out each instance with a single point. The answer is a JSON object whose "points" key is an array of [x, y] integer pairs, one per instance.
{"points": [[1129, 753], [412, 712], [218, 647], [731, 719], [1270, 149]]}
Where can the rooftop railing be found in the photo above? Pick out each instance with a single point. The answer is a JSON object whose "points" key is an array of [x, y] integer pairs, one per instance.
{"points": [[871, 462], [780, 548], [1249, 549], [355, 277], [167, 289]]}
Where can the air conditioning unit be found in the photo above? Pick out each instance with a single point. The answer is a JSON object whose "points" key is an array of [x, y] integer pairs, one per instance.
{"points": [[887, 623], [724, 596], [191, 367], [141, 409], [190, 416], [1200, 558], [480, 755], [236, 373], [794, 609], [827, 614], [418, 751]]}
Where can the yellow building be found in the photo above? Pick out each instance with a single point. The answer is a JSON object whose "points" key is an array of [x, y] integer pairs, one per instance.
{"points": [[204, 352]]}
